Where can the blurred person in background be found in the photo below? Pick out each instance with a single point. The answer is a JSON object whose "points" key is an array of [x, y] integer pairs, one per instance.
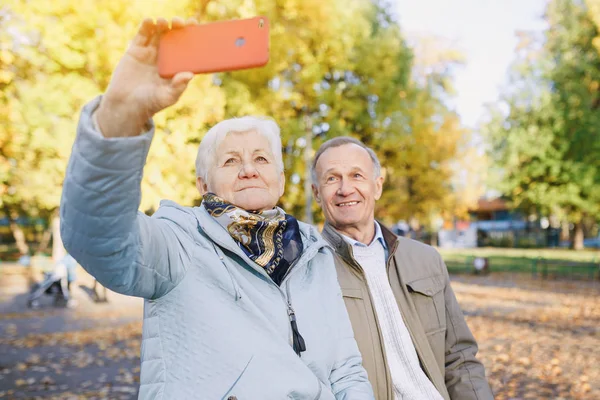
{"points": [[56, 283]]}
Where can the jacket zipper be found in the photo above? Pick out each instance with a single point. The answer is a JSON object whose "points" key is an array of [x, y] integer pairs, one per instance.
{"points": [[296, 339]]}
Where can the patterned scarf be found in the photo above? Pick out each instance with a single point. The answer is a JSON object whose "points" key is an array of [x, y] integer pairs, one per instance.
{"points": [[270, 238]]}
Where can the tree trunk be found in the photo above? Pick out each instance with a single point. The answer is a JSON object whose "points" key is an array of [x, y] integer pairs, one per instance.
{"points": [[19, 236], [308, 150], [564, 232], [17, 232], [577, 243]]}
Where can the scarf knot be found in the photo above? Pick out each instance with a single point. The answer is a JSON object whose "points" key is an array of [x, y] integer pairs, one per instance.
{"points": [[270, 238]]}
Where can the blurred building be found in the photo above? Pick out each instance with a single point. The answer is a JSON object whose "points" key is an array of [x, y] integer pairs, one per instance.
{"points": [[494, 223]]}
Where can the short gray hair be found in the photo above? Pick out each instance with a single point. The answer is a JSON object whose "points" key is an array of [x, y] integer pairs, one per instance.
{"points": [[340, 141], [208, 146]]}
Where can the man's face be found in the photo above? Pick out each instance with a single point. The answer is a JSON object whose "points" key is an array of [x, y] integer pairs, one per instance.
{"points": [[346, 187], [245, 172]]}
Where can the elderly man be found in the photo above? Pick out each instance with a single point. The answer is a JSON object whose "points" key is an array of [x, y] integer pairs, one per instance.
{"points": [[410, 330], [242, 300]]}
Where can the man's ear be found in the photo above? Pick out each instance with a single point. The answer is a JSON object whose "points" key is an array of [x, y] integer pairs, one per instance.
{"points": [[201, 186], [379, 187], [316, 193]]}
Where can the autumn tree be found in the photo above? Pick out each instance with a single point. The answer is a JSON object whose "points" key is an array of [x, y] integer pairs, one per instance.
{"points": [[548, 144], [56, 56], [336, 68]]}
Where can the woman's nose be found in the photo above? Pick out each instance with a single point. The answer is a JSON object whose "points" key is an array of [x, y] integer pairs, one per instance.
{"points": [[248, 170]]}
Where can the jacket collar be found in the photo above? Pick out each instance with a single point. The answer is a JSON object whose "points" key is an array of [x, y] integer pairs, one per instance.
{"points": [[344, 249], [390, 238], [340, 246], [378, 238]]}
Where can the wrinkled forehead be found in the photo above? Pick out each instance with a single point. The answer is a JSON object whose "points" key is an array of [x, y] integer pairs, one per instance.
{"points": [[345, 158], [250, 141]]}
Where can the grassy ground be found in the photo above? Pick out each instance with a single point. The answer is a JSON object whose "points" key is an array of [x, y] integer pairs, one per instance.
{"points": [[553, 254], [546, 263]]}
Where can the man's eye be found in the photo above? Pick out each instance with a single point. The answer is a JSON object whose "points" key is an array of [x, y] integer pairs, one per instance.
{"points": [[330, 179], [357, 175]]}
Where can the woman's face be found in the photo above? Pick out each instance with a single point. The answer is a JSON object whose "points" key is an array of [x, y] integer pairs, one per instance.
{"points": [[245, 172]]}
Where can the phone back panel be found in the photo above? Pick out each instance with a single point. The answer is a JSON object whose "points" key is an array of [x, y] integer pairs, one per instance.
{"points": [[215, 47]]}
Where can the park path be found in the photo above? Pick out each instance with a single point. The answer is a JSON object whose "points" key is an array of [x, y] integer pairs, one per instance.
{"points": [[88, 352]]}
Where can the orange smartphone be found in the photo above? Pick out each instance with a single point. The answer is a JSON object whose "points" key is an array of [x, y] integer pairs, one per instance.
{"points": [[215, 47]]}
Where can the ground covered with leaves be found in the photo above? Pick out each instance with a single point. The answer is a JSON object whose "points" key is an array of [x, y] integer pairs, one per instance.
{"points": [[87, 352], [538, 340]]}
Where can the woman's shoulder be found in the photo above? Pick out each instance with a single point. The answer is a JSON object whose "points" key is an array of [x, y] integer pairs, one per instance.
{"points": [[311, 234], [181, 217]]}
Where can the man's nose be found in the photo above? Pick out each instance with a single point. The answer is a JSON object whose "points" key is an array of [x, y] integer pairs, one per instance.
{"points": [[346, 188]]}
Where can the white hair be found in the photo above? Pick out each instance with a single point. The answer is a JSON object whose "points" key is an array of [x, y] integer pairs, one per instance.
{"points": [[207, 151]]}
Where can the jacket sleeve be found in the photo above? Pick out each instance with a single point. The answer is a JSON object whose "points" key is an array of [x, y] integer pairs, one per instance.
{"points": [[465, 374], [101, 227], [348, 378]]}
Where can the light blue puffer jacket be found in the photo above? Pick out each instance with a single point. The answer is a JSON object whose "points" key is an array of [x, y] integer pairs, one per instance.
{"points": [[215, 325]]}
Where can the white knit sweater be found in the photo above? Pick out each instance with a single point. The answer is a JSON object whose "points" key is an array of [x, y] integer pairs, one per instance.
{"points": [[409, 380]]}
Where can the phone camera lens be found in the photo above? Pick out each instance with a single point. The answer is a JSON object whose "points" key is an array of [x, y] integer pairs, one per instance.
{"points": [[240, 42]]}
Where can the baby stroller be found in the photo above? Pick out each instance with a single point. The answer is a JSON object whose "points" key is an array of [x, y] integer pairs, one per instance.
{"points": [[55, 283]]}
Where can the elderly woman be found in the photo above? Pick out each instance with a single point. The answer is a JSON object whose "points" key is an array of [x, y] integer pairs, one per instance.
{"points": [[242, 300]]}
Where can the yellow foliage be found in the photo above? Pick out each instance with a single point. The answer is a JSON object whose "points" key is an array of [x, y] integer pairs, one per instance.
{"points": [[328, 61]]}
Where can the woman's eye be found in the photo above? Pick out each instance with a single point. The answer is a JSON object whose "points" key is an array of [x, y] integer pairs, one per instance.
{"points": [[261, 159], [230, 161]]}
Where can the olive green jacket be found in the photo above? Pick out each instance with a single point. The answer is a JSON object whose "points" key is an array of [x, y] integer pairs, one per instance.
{"points": [[442, 339]]}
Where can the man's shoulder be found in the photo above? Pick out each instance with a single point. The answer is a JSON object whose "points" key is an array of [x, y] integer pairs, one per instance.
{"points": [[407, 246], [414, 246], [412, 255]]}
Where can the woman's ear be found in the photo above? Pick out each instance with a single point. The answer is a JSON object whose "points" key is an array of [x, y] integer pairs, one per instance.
{"points": [[281, 184], [201, 186]]}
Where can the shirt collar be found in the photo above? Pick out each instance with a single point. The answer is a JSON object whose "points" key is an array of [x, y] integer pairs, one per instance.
{"points": [[378, 237]]}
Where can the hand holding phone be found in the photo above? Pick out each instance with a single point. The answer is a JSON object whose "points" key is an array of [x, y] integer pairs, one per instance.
{"points": [[215, 47], [136, 91]]}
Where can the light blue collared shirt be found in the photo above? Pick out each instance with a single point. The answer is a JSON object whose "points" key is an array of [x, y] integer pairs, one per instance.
{"points": [[378, 238]]}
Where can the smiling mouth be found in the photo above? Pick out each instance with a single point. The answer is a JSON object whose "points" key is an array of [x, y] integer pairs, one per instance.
{"points": [[348, 204]]}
